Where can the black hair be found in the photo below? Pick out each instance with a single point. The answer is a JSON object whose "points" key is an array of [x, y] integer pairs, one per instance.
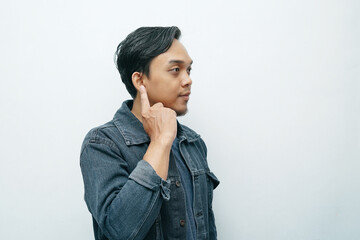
{"points": [[136, 51]]}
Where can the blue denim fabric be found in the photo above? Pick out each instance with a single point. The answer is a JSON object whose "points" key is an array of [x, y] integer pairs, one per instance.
{"points": [[186, 180], [125, 196]]}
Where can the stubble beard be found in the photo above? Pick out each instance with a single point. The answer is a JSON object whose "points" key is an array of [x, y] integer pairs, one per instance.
{"points": [[181, 113]]}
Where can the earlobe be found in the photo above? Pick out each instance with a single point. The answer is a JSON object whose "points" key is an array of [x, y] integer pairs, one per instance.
{"points": [[137, 80]]}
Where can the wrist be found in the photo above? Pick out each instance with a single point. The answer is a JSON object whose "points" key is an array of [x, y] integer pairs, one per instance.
{"points": [[162, 143]]}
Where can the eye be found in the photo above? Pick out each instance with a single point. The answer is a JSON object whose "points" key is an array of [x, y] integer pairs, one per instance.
{"points": [[189, 70], [175, 69]]}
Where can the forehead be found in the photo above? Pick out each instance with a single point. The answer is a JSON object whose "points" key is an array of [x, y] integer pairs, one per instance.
{"points": [[176, 52]]}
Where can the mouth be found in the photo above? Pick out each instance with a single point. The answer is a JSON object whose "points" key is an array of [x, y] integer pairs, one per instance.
{"points": [[185, 96]]}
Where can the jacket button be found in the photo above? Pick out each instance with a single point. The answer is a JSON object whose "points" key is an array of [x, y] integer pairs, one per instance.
{"points": [[182, 223], [177, 183]]}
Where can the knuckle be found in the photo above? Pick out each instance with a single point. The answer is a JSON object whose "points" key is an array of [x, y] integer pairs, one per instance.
{"points": [[172, 112], [144, 114], [158, 105]]}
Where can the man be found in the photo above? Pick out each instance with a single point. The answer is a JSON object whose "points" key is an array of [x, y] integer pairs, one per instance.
{"points": [[146, 176]]}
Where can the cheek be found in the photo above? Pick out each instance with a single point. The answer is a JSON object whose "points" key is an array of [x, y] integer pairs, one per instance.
{"points": [[166, 92], [167, 87], [169, 94]]}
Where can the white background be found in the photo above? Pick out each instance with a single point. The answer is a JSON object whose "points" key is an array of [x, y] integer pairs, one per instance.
{"points": [[275, 96]]}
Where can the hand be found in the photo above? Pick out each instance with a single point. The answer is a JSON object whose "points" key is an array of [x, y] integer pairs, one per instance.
{"points": [[159, 122]]}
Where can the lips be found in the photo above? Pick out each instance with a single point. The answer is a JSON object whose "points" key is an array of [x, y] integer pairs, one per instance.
{"points": [[185, 96]]}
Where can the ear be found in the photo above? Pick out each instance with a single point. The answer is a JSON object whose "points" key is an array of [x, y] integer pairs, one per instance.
{"points": [[137, 80]]}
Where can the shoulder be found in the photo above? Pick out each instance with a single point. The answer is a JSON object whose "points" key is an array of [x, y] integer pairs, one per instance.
{"points": [[188, 129], [103, 134], [189, 133], [193, 136]]}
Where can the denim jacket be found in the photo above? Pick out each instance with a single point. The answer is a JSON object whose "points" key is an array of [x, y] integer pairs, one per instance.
{"points": [[125, 196]]}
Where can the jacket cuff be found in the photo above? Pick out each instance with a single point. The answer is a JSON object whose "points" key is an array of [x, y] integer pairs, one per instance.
{"points": [[145, 175]]}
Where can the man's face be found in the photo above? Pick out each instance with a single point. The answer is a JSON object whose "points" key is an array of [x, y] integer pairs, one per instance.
{"points": [[169, 79]]}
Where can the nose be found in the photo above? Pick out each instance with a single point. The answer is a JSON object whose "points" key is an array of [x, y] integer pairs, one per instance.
{"points": [[186, 81]]}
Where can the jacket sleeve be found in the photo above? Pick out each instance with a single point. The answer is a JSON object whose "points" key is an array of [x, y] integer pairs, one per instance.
{"points": [[125, 205]]}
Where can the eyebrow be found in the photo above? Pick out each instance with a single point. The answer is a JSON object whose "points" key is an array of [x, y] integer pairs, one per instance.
{"points": [[179, 61]]}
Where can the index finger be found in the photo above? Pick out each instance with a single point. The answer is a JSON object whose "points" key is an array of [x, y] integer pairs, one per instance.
{"points": [[145, 105]]}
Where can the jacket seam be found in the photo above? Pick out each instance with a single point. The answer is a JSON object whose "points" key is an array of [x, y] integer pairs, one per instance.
{"points": [[95, 138]]}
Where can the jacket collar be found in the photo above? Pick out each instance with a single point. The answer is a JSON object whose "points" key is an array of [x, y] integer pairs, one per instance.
{"points": [[133, 131]]}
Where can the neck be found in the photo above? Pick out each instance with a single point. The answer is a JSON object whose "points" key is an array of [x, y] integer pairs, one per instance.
{"points": [[136, 108]]}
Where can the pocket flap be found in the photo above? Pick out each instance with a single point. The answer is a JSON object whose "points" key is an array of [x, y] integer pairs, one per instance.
{"points": [[213, 178]]}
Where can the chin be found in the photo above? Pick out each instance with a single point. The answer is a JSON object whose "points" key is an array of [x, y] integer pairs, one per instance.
{"points": [[180, 113]]}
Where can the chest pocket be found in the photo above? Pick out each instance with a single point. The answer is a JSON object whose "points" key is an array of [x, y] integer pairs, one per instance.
{"points": [[194, 156]]}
